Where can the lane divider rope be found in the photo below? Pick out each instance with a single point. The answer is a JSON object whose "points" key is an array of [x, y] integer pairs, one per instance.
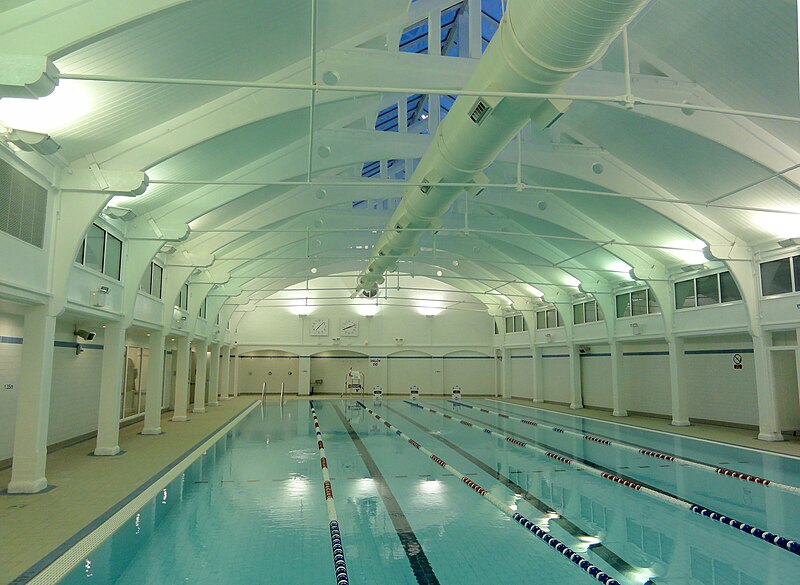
{"points": [[634, 448], [339, 563], [537, 531], [774, 539]]}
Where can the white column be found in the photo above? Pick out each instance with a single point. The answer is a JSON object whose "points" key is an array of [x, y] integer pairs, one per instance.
{"points": [[576, 392], [304, 378], [236, 360], [617, 380], [506, 373], [213, 375], [182, 380], [200, 377], [538, 375], [769, 424], [680, 402], [155, 385], [33, 403], [225, 373], [110, 390]]}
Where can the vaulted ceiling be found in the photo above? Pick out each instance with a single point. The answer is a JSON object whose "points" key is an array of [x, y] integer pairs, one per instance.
{"points": [[212, 99]]}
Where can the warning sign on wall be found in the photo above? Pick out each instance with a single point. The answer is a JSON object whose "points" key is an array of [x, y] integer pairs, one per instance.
{"points": [[737, 361]]}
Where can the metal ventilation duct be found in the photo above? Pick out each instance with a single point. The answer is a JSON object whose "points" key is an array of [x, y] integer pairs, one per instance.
{"points": [[539, 45]]}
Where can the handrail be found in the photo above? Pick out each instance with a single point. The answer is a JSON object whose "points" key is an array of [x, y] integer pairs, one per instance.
{"points": [[263, 392]]}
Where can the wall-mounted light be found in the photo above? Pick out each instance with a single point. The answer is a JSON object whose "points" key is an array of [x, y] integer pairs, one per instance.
{"points": [[635, 328], [399, 340], [31, 141], [789, 242], [548, 337], [99, 296]]}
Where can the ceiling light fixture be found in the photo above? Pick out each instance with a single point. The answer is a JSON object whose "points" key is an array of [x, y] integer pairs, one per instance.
{"points": [[31, 141], [789, 242]]}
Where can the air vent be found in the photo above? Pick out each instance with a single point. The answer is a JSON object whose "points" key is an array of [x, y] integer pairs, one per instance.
{"points": [[23, 206], [426, 187], [480, 111]]}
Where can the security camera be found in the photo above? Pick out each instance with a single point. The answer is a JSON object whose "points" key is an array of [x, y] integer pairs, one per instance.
{"points": [[84, 334], [584, 349]]}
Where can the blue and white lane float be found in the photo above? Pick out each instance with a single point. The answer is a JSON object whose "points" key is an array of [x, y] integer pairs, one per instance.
{"points": [[537, 531], [774, 539], [634, 448], [339, 564]]}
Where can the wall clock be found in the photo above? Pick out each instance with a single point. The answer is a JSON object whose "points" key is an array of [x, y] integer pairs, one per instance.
{"points": [[348, 328], [319, 327]]}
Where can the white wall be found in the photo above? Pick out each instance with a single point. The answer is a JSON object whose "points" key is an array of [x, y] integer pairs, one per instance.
{"points": [[407, 368], [10, 359], [556, 375], [646, 378], [332, 366], [521, 373], [473, 371], [75, 391], [715, 389], [271, 366], [596, 377]]}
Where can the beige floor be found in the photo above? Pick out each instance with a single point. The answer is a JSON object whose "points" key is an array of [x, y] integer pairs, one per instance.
{"points": [[32, 526]]}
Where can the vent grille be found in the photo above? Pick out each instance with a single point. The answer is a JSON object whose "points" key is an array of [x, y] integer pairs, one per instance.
{"points": [[426, 187], [480, 111], [23, 206]]}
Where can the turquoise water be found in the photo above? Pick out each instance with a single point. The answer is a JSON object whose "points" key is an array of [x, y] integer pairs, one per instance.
{"points": [[252, 509]]}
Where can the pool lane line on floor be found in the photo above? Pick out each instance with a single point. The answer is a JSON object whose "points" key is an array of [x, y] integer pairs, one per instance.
{"points": [[62, 560], [339, 563], [768, 537], [597, 573], [635, 448], [421, 567], [600, 549]]}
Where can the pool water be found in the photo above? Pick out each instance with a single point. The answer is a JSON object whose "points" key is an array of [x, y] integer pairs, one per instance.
{"points": [[252, 508]]}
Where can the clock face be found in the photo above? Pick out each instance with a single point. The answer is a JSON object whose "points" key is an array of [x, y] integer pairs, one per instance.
{"points": [[319, 327], [349, 328]]}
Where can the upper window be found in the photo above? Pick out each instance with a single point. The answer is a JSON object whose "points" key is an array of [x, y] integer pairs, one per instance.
{"points": [[183, 298], [516, 324], [203, 309], [102, 252], [710, 289], [548, 319], [151, 280], [586, 312], [636, 303], [780, 276]]}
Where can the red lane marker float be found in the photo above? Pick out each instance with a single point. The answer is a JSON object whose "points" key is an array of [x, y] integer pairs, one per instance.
{"points": [[439, 461], [597, 440], [515, 441], [657, 455], [339, 563], [619, 480], [559, 458], [529, 422], [465, 423], [737, 475]]}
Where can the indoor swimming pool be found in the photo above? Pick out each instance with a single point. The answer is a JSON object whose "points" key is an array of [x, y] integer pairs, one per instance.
{"points": [[440, 492]]}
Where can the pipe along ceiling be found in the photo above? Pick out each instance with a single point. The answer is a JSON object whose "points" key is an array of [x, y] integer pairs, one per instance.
{"points": [[539, 46]]}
